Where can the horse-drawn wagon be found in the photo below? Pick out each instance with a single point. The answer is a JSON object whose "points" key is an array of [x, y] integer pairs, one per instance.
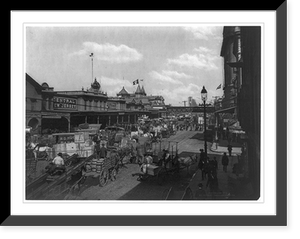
{"points": [[102, 168], [167, 165]]}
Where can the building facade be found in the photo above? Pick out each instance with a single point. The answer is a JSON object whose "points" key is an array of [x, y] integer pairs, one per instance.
{"points": [[241, 101], [49, 111], [33, 104], [231, 51], [152, 105], [249, 101]]}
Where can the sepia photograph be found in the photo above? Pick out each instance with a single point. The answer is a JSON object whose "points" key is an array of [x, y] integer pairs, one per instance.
{"points": [[143, 112]]}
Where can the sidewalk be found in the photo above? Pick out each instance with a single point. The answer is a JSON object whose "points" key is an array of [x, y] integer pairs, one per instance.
{"points": [[228, 182], [231, 186], [221, 147]]}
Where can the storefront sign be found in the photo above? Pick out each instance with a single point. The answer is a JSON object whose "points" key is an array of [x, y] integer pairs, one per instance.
{"points": [[64, 103], [79, 137]]}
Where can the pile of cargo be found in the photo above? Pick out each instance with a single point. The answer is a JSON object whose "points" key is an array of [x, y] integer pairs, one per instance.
{"points": [[95, 165]]}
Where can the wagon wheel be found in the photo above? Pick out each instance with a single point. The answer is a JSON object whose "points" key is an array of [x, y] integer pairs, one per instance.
{"points": [[113, 174], [117, 167], [68, 163], [103, 178]]}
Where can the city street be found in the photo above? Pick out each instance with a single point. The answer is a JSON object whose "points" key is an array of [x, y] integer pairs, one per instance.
{"points": [[127, 187], [152, 98]]}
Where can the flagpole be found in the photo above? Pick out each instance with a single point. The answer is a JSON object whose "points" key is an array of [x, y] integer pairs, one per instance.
{"points": [[92, 69], [92, 55]]}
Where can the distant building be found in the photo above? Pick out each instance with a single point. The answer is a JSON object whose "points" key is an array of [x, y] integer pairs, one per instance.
{"points": [[190, 101], [139, 100]]}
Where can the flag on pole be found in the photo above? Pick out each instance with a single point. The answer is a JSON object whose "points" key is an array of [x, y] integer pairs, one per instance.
{"points": [[135, 82], [219, 87], [92, 54]]}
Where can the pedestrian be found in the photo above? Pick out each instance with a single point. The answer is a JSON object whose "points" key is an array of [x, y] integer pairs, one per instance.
{"points": [[133, 152], [140, 156], [229, 148], [165, 158], [97, 149], [227, 133], [215, 163], [102, 151], [206, 168], [202, 163], [225, 161], [96, 138], [212, 181]]}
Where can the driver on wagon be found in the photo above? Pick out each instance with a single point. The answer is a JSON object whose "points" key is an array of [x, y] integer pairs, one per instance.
{"points": [[58, 160]]}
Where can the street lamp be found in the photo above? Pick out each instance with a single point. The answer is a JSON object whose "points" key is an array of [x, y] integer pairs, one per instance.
{"points": [[204, 98]]}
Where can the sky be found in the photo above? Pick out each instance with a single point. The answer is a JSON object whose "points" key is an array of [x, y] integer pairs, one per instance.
{"points": [[173, 61]]}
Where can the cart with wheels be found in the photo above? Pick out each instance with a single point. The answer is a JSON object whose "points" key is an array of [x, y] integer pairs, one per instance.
{"points": [[165, 169], [103, 168]]}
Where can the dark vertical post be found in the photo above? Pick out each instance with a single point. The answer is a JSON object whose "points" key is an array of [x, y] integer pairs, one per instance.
{"points": [[205, 143]]}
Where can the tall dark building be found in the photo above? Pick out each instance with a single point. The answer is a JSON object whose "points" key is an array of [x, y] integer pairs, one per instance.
{"points": [[241, 50], [249, 100]]}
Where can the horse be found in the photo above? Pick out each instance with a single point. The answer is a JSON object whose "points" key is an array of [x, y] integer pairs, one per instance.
{"points": [[40, 151], [187, 161]]}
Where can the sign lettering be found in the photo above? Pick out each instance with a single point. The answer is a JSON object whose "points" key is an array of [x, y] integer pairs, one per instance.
{"points": [[64, 103]]}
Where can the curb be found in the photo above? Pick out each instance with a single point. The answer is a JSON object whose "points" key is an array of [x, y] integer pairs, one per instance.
{"points": [[225, 151]]}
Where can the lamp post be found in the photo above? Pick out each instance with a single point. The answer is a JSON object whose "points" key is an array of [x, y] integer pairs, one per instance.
{"points": [[204, 98]]}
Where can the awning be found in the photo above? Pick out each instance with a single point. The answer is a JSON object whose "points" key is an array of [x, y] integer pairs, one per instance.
{"points": [[236, 128], [237, 131], [226, 110]]}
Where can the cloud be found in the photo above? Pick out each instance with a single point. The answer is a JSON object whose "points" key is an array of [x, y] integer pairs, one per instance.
{"points": [[109, 52], [200, 61], [205, 32], [114, 85], [202, 49], [176, 74], [203, 58], [164, 77], [177, 95], [114, 82]]}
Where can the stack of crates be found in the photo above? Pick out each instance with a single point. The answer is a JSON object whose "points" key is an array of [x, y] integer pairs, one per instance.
{"points": [[95, 165], [99, 165]]}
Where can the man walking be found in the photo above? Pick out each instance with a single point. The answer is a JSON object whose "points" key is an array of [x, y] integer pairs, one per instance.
{"points": [[229, 148], [225, 161], [215, 163], [202, 163]]}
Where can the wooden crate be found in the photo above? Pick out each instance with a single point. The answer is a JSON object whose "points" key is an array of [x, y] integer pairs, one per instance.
{"points": [[152, 170]]}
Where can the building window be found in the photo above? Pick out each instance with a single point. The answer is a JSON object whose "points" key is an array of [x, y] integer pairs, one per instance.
{"points": [[49, 104]]}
